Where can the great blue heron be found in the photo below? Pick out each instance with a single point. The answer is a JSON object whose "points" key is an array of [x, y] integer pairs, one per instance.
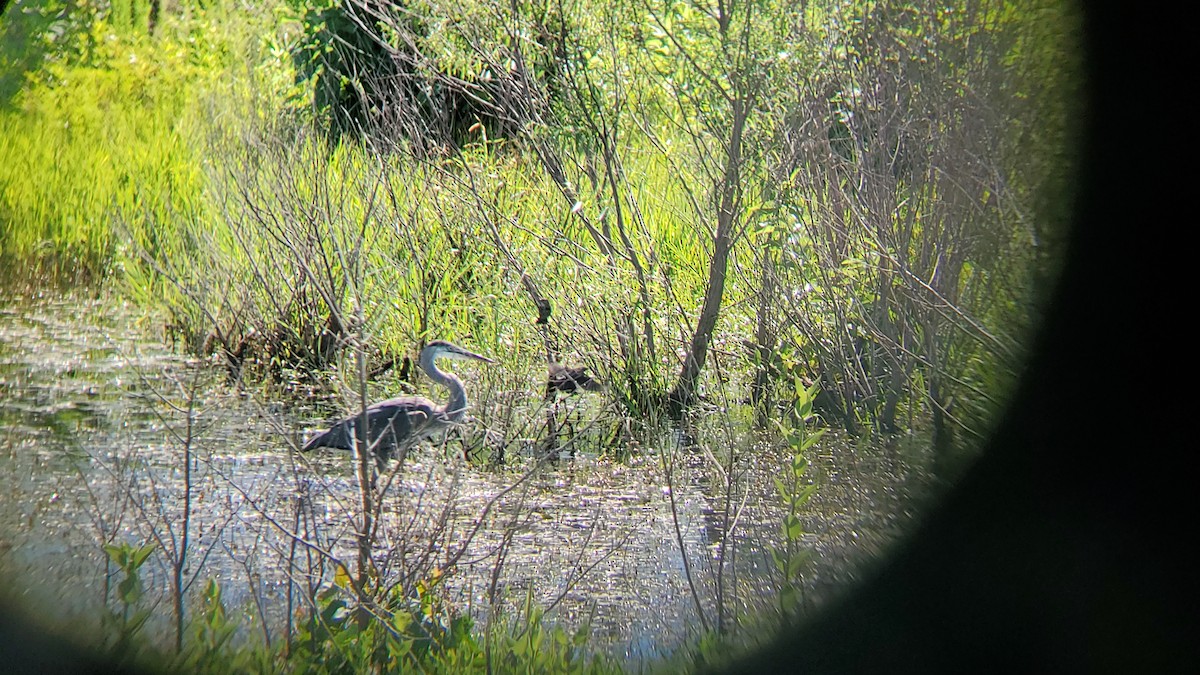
{"points": [[397, 424]]}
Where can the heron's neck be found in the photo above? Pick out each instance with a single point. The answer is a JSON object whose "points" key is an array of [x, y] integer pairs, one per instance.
{"points": [[456, 406]]}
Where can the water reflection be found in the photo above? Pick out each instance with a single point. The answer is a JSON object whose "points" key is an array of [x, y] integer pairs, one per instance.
{"points": [[93, 429]]}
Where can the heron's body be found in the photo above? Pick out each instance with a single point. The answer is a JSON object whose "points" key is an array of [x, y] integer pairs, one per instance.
{"points": [[397, 424]]}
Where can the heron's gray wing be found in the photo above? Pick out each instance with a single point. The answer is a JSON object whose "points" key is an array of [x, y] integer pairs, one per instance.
{"points": [[340, 435], [398, 423], [394, 424]]}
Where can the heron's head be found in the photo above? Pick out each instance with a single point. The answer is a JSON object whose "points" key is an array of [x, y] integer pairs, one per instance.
{"points": [[439, 349]]}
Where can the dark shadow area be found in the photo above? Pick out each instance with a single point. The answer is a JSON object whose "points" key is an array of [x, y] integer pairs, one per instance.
{"points": [[1064, 548], [26, 647]]}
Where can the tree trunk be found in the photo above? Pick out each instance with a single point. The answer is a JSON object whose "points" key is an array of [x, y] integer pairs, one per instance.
{"points": [[684, 392], [152, 23]]}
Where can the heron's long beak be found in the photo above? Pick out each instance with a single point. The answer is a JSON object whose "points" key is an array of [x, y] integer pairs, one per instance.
{"points": [[469, 355]]}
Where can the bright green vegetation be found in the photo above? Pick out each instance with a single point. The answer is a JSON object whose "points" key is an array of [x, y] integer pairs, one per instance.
{"points": [[852, 206], [399, 635]]}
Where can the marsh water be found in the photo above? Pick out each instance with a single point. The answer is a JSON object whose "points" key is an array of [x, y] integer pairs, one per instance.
{"points": [[94, 431]]}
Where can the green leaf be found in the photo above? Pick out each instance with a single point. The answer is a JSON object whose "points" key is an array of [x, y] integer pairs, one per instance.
{"points": [[399, 648], [807, 492], [341, 578], [130, 589], [330, 610], [520, 646], [784, 492], [799, 465], [139, 556], [792, 528], [117, 554], [401, 620], [788, 596]]}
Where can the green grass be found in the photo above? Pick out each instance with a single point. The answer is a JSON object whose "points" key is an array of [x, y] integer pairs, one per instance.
{"points": [[102, 147]]}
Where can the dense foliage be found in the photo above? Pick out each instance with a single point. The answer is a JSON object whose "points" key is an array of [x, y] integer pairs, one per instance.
{"points": [[705, 202]]}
